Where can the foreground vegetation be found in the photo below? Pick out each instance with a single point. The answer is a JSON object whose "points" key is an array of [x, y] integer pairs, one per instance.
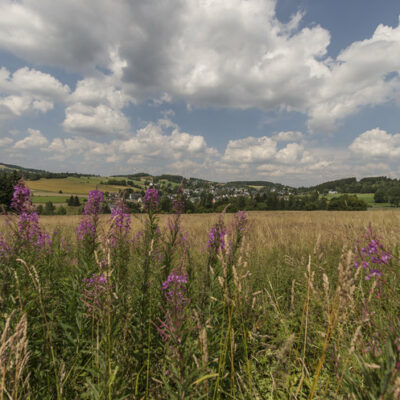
{"points": [[280, 305]]}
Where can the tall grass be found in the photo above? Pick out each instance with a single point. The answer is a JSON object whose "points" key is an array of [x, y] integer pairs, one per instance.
{"points": [[263, 306]]}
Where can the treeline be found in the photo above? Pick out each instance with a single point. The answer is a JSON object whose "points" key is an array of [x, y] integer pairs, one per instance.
{"points": [[36, 174], [120, 182], [270, 201], [351, 185]]}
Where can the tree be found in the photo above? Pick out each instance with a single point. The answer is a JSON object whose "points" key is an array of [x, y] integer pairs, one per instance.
{"points": [[76, 201], [7, 183], [49, 208], [165, 204], [394, 196], [61, 210], [380, 196]]}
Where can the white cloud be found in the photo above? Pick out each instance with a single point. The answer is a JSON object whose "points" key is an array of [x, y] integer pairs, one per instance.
{"points": [[225, 53], [377, 143], [28, 90], [34, 139], [96, 107], [5, 142], [358, 78], [290, 154], [250, 149], [154, 142], [288, 136], [98, 120]]}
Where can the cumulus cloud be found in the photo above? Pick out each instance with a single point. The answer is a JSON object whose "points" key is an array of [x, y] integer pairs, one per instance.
{"points": [[225, 53], [28, 90], [288, 136], [95, 120], [5, 142], [377, 143], [96, 106], [364, 74], [250, 149], [154, 142], [34, 139]]}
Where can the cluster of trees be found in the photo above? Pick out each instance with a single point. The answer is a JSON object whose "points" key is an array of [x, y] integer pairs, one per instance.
{"points": [[268, 201], [351, 185], [388, 194], [120, 182], [7, 183], [36, 174], [272, 201], [74, 201], [50, 209]]}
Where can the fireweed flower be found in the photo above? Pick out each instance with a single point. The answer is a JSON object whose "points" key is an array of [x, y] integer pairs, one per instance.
{"points": [[150, 199], [178, 204], [371, 256], [28, 232], [216, 238], [175, 293], [86, 230], [94, 295], [94, 206], [120, 223], [240, 221], [21, 200]]}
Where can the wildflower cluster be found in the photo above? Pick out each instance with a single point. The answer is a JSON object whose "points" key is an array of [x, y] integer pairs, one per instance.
{"points": [[178, 204], [95, 294], [120, 222], [151, 199], [28, 232], [240, 221], [88, 225], [94, 206], [21, 200], [371, 256], [216, 238], [175, 293]]}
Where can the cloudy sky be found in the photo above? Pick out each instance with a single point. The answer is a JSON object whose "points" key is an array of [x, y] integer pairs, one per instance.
{"points": [[297, 92]]}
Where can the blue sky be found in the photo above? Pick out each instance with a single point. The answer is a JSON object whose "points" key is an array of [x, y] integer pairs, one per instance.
{"points": [[297, 92]]}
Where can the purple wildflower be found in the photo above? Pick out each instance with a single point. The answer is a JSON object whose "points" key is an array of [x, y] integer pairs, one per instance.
{"points": [[179, 203], [216, 238], [371, 255], [121, 223], [21, 200], [86, 229], [88, 226], [95, 296], [151, 199], [175, 293], [240, 221], [29, 232], [94, 205]]}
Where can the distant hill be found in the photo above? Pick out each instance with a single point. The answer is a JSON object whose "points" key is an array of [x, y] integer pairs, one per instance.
{"points": [[346, 185], [265, 184]]}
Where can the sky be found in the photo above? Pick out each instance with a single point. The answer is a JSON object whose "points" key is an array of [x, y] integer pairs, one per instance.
{"points": [[295, 92]]}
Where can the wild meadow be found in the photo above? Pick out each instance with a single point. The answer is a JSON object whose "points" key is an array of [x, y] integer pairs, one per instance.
{"points": [[265, 305]]}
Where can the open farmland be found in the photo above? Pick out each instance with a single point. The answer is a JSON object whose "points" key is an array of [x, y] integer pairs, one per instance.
{"points": [[72, 185], [267, 305]]}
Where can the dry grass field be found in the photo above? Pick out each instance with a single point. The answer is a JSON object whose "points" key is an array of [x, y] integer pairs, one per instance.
{"points": [[202, 308], [71, 185], [272, 229]]}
